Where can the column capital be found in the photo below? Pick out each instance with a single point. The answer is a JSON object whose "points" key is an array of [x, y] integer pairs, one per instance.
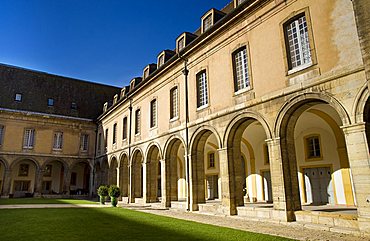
{"points": [[273, 141], [353, 128]]}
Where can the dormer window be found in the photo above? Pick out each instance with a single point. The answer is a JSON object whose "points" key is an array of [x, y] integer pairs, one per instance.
{"points": [[134, 82], [238, 2], [74, 106], [50, 102], [115, 99], [207, 23], [184, 40], [18, 97], [210, 18], [160, 60], [146, 73], [164, 56], [180, 44]]}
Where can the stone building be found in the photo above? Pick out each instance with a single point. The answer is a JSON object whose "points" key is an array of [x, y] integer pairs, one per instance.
{"points": [[47, 132], [266, 103]]}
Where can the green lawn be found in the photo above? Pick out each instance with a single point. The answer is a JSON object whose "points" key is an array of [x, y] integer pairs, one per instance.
{"points": [[109, 224], [10, 201]]}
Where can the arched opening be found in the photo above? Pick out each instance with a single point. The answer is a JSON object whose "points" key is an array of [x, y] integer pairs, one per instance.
{"points": [[2, 176], [153, 174], [249, 161], [53, 178], [113, 175], [23, 178], [137, 174], [367, 121], [176, 190], [205, 168], [313, 145], [124, 176], [80, 179]]}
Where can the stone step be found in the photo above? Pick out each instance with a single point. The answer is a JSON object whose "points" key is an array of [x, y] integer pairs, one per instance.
{"points": [[157, 205], [255, 212], [323, 227], [140, 201], [178, 205], [209, 208], [329, 219]]}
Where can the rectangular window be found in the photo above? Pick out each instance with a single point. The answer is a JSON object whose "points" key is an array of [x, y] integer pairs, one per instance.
{"points": [[84, 142], [50, 102], [180, 44], [124, 129], [114, 133], [137, 121], [241, 75], [298, 44], [174, 112], [106, 140], [74, 106], [207, 23], [161, 60], [1, 134], [29, 138], [313, 147], [99, 142], [202, 89], [18, 97], [58, 141], [153, 113], [22, 186], [211, 160]]}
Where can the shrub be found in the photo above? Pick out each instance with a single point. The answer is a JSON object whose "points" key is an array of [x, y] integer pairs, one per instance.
{"points": [[114, 191], [103, 191]]}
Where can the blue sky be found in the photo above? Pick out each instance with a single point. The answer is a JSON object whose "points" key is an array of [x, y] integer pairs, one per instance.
{"points": [[107, 41]]}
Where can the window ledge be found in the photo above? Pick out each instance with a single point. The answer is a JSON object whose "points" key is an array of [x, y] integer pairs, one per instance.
{"points": [[239, 92], [202, 107], [299, 68], [174, 119]]}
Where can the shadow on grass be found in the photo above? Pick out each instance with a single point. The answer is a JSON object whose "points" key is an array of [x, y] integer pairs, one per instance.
{"points": [[109, 224]]}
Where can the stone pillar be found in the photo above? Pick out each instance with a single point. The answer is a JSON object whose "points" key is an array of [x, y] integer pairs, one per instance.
{"points": [[277, 180], [38, 182], [7, 182], [131, 195], [91, 183], [359, 161], [227, 183], [146, 182], [66, 181], [166, 196], [196, 181]]}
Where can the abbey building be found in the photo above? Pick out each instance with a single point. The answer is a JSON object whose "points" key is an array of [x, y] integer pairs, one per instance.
{"points": [[261, 112]]}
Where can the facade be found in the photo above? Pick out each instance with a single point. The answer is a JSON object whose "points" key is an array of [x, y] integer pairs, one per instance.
{"points": [[47, 133], [267, 102]]}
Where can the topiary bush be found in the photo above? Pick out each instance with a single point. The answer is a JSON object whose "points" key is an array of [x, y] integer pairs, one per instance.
{"points": [[114, 192], [102, 192]]}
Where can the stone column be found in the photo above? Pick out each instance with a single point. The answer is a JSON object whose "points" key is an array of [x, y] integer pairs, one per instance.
{"points": [[196, 181], [7, 182], [359, 161], [166, 196], [66, 181], [38, 182], [146, 182], [131, 195], [277, 180], [91, 183], [227, 183]]}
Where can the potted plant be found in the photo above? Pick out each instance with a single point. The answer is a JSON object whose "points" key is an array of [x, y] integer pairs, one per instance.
{"points": [[102, 192], [114, 192]]}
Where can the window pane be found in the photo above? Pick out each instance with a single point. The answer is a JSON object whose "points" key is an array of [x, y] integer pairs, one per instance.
{"points": [[115, 133], [298, 42], [207, 23], [202, 94], [241, 70], [28, 139], [161, 60], [181, 44], [153, 113], [18, 97], [174, 103], [124, 127], [50, 102], [137, 122], [58, 140]]}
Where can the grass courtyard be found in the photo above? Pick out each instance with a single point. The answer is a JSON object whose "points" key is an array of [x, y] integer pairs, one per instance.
{"points": [[16, 201], [109, 224]]}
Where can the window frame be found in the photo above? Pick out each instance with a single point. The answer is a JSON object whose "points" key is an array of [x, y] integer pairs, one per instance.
{"points": [[18, 95], [180, 39], [84, 140], [50, 102], [211, 16], [153, 120], [205, 105], [106, 139], [209, 154], [249, 72], [58, 141], [307, 150], [114, 134], [172, 106], [124, 128], [29, 140], [137, 122], [293, 16]]}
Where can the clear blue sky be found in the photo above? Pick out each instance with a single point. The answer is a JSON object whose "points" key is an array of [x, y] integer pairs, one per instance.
{"points": [[105, 41]]}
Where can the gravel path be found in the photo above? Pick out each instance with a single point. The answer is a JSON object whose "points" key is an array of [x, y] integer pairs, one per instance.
{"points": [[289, 230]]}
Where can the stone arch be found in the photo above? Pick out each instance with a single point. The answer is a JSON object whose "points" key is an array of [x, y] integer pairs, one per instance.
{"points": [[80, 178], [3, 176], [153, 172], [137, 170], [239, 118], [285, 127], [55, 177], [233, 141], [205, 129], [359, 106], [197, 174], [307, 100], [174, 145], [113, 172], [18, 160], [65, 164], [5, 163], [124, 174], [31, 181]]}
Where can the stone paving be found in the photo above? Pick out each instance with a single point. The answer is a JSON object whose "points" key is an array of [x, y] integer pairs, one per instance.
{"points": [[289, 230]]}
